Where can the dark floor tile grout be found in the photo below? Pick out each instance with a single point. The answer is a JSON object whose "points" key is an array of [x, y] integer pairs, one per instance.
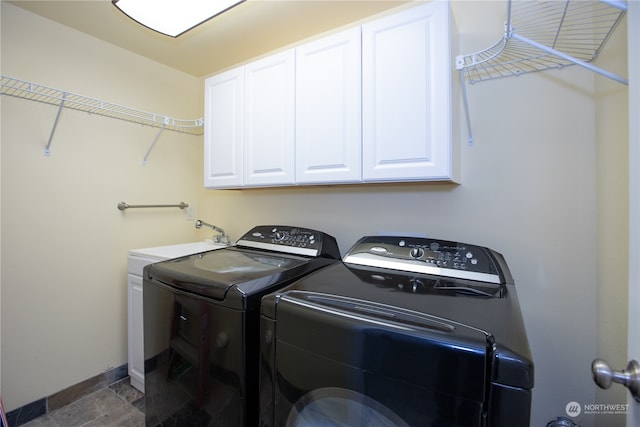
{"points": [[46, 405], [117, 404]]}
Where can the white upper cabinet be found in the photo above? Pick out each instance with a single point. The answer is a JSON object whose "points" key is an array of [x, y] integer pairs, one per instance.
{"points": [[328, 109], [369, 104], [407, 118], [223, 129], [269, 130]]}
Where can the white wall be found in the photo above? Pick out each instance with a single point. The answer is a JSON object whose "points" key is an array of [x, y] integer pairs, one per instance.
{"points": [[612, 173], [64, 242]]}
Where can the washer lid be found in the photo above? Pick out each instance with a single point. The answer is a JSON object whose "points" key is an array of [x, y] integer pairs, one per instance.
{"points": [[212, 274]]}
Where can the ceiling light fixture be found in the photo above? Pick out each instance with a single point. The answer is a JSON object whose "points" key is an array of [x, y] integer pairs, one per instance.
{"points": [[173, 17]]}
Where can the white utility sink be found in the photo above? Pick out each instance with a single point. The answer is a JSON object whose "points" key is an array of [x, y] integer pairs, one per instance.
{"points": [[138, 258], [175, 251]]}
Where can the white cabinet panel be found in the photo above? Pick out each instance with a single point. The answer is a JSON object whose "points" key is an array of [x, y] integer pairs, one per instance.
{"points": [[372, 103], [406, 95], [269, 120], [136, 332], [328, 109], [223, 129]]}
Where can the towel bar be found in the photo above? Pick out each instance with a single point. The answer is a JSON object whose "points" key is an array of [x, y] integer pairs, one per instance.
{"points": [[122, 206]]}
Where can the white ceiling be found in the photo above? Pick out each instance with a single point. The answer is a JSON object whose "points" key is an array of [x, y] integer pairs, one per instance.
{"points": [[244, 32]]}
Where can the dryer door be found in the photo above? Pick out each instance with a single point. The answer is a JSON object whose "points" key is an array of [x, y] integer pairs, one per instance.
{"points": [[340, 407], [357, 363]]}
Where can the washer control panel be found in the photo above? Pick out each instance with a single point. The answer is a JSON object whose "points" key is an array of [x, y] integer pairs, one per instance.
{"points": [[294, 240], [421, 255]]}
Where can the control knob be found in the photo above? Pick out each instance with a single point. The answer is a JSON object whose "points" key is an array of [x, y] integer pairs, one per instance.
{"points": [[416, 285], [416, 252]]}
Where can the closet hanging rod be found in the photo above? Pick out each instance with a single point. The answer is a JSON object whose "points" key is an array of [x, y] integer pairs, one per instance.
{"points": [[123, 206]]}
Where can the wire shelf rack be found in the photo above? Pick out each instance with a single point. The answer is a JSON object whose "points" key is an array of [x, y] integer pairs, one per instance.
{"points": [[542, 35], [63, 99], [546, 34]]}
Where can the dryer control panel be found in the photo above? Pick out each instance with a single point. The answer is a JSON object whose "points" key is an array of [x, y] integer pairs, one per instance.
{"points": [[292, 240], [430, 256]]}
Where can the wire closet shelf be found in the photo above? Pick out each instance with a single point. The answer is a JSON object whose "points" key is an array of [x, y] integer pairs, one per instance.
{"points": [[35, 92], [542, 35], [546, 34]]}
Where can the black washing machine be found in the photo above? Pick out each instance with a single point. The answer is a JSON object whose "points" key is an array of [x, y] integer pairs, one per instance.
{"points": [[201, 324], [404, 332]]}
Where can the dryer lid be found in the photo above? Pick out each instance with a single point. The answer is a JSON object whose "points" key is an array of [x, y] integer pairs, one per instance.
{"points": [[387, 341]]}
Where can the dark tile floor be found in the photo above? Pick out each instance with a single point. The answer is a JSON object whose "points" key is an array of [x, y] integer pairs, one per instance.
{"points": [[118, 405]]}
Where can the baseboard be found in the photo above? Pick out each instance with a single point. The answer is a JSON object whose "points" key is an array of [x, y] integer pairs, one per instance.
{"points": [[62, 398]]}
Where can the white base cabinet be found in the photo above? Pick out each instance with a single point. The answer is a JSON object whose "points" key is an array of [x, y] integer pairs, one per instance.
{"points": [[137, 260], [373, 103], [136, 331]]}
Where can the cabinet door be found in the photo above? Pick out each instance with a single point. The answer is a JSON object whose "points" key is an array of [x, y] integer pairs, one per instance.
{"points": [[406, 95], [136, 332], [223, 129], [328, 109], [269, 120]]}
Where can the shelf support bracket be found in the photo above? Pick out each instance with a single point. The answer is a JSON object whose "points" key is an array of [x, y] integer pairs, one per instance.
{"points": [[47, 150], [146, 156], [465, 99]]}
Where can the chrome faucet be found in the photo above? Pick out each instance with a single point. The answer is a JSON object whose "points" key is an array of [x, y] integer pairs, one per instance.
{"points": [[221, 237]]}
